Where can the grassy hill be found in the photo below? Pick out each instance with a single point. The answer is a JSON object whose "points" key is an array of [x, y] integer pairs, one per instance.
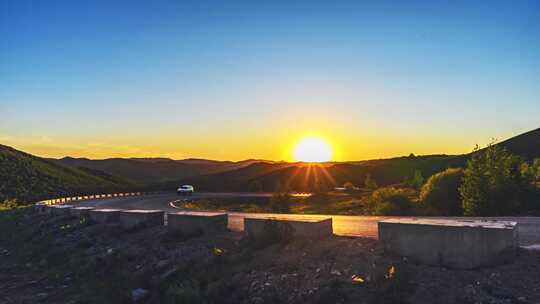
{"points": [[29, 178], [526, 145]]}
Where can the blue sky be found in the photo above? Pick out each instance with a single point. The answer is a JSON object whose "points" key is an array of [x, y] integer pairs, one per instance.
{"points": [[243, 79]]}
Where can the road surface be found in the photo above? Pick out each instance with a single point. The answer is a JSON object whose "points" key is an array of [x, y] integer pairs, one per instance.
{"points": [[346, 225]]}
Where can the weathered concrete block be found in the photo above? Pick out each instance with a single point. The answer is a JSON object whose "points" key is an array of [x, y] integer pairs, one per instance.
{"points": [[130, 219], [190, 222], [81, 211], [105, 215], [306, 227], [451, 243]]}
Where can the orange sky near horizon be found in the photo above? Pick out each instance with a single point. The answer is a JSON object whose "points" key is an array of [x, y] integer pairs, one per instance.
{"points": [[272, 146]]}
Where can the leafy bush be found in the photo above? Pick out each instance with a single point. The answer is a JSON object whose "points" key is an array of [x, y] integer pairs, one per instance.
{"points": [[532, 171], [390, 201], [440, 194], [495, 183], [416, 181]]}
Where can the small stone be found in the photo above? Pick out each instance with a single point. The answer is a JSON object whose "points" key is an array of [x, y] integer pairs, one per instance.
{"points": [[168, 273], [336, 272], [138, 294], [162, 264]]}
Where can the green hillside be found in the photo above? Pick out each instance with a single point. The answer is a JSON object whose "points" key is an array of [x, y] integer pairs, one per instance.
{"points": [[28, 178], [526, 145]]}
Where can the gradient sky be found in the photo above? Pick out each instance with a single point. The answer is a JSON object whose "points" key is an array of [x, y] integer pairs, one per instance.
{"points": [[248, 79]]}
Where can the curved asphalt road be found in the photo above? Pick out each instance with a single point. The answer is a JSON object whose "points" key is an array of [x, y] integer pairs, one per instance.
{"points": [[346, 225]]}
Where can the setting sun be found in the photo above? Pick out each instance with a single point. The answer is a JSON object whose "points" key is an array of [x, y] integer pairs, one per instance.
{"points": [[312, 149]]}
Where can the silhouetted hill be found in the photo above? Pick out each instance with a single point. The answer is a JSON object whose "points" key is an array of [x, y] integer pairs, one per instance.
{"points": [[28, 178], [231, 180], [305, 177], [301, 177], [526, 145], [152, 170]]}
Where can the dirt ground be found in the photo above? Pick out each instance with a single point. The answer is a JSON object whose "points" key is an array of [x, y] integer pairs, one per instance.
{"points": [[67, 260]]}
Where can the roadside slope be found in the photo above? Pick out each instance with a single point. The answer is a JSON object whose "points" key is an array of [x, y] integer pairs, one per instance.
{"points": [[26, 177]]}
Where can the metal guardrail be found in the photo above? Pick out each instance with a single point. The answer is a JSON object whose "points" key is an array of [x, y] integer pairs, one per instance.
{"points": [[69, 199], [62, 200]]}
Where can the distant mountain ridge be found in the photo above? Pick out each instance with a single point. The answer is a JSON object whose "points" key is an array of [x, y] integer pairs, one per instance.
{"points": [[153, 170], [305, 177]]}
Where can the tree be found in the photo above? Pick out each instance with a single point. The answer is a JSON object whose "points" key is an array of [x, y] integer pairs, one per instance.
{"points": [[370, 183], [532, 171], [494, 183], [440, 194], [416, 181]]}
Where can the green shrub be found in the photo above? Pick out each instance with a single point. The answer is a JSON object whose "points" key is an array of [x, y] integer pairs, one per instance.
{"points": [[494, 183], [532, 171], [416, 181], [440, 194], [391, 201]]}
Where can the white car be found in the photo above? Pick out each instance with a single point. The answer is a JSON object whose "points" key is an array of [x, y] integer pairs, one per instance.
{"points": [[185, 190]]}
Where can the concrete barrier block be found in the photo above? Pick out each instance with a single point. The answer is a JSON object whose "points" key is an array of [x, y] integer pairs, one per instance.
{"points": [[312, 228], [81, 211], [190, 222], [130, 219], [105, 215], [451, 243]]}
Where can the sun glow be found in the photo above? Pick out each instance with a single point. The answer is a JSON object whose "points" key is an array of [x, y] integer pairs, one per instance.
{"points": [[312, 149]]}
